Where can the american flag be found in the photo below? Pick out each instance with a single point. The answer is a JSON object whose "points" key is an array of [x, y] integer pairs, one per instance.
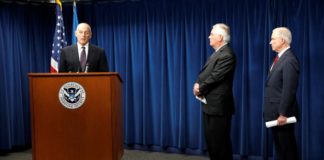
{"points": [[59, 38]]}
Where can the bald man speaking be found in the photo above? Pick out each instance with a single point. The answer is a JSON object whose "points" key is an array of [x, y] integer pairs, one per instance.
{"points": [[83, 56]]}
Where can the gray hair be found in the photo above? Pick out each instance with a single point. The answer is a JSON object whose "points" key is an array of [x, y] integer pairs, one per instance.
{"points": [[84, 24], [222, 29], [283, 33]]}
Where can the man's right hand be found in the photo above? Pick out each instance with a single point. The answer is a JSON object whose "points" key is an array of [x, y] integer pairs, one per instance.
{"points": [[196, 89]]}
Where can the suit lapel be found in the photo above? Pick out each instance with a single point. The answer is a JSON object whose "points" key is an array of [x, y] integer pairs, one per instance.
{"points": [[214, 56], [279, 63], [90, 54], [75, 53]]}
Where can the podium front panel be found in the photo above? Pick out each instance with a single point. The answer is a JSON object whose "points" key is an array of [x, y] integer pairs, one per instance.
{"points": [[84, 133]]}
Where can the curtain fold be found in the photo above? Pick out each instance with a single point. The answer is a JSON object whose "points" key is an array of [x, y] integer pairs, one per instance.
{"points": [[158, 48], [23, 43]]}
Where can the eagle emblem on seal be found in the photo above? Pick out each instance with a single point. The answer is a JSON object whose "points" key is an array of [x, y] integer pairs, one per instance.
{"points": [[72, 95]]}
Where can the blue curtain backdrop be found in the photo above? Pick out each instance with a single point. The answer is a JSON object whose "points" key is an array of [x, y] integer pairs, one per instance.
{"points": [[158, 48]]}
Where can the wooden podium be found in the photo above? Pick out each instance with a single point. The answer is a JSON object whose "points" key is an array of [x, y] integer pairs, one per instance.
{"points": [[91, 132]]}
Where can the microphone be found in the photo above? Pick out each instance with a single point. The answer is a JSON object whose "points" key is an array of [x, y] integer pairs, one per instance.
{"points": [[86, 68], [79, 69]]}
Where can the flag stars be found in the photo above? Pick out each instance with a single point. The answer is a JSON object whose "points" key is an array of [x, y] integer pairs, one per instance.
{"points": [[59, 39]]}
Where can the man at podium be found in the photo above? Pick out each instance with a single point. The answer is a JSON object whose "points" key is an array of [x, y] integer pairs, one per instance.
{"points": [[83, 56]]}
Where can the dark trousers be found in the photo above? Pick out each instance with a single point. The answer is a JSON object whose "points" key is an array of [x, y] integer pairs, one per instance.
{"points": [[285, 142], [218, 137]]}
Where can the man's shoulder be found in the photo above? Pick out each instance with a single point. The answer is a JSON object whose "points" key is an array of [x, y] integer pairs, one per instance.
{"points": [[71, 47], [227, 51], [290, 56], [95, 47]]}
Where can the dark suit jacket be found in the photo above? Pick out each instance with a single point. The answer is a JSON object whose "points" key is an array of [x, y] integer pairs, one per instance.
{"points": [[281, 88], [96, 60], [216, 82]]}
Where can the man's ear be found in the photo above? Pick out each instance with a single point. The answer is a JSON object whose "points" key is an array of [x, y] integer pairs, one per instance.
{"points": [[221, 37]]}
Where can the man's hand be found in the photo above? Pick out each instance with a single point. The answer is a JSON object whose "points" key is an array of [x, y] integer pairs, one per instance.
{"points": [[282, 120], [196, 89]]}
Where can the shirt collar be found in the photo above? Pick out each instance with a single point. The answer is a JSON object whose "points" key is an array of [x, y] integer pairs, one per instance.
{"points": [[282, 52], [80, 46], [221, 47]]}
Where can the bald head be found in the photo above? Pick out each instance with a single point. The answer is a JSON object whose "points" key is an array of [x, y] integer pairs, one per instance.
{"points": [[83, 33], [84, 26]]}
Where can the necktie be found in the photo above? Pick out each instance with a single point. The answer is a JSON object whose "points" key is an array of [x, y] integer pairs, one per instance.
{"points": [[275, 61], [83, 59]]}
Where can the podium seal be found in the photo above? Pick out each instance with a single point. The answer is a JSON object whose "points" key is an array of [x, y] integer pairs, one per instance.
{"points": [[72, 95]]}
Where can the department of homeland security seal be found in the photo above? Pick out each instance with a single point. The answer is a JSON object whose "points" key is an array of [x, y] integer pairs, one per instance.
{"points": [[72, 95]]}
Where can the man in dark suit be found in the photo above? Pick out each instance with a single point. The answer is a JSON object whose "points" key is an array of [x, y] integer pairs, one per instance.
{"points": [[215, 84], [280, 94], [83, 56]]}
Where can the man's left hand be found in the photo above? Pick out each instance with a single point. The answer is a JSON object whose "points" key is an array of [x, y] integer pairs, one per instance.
{"points": [[282, 120]]}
